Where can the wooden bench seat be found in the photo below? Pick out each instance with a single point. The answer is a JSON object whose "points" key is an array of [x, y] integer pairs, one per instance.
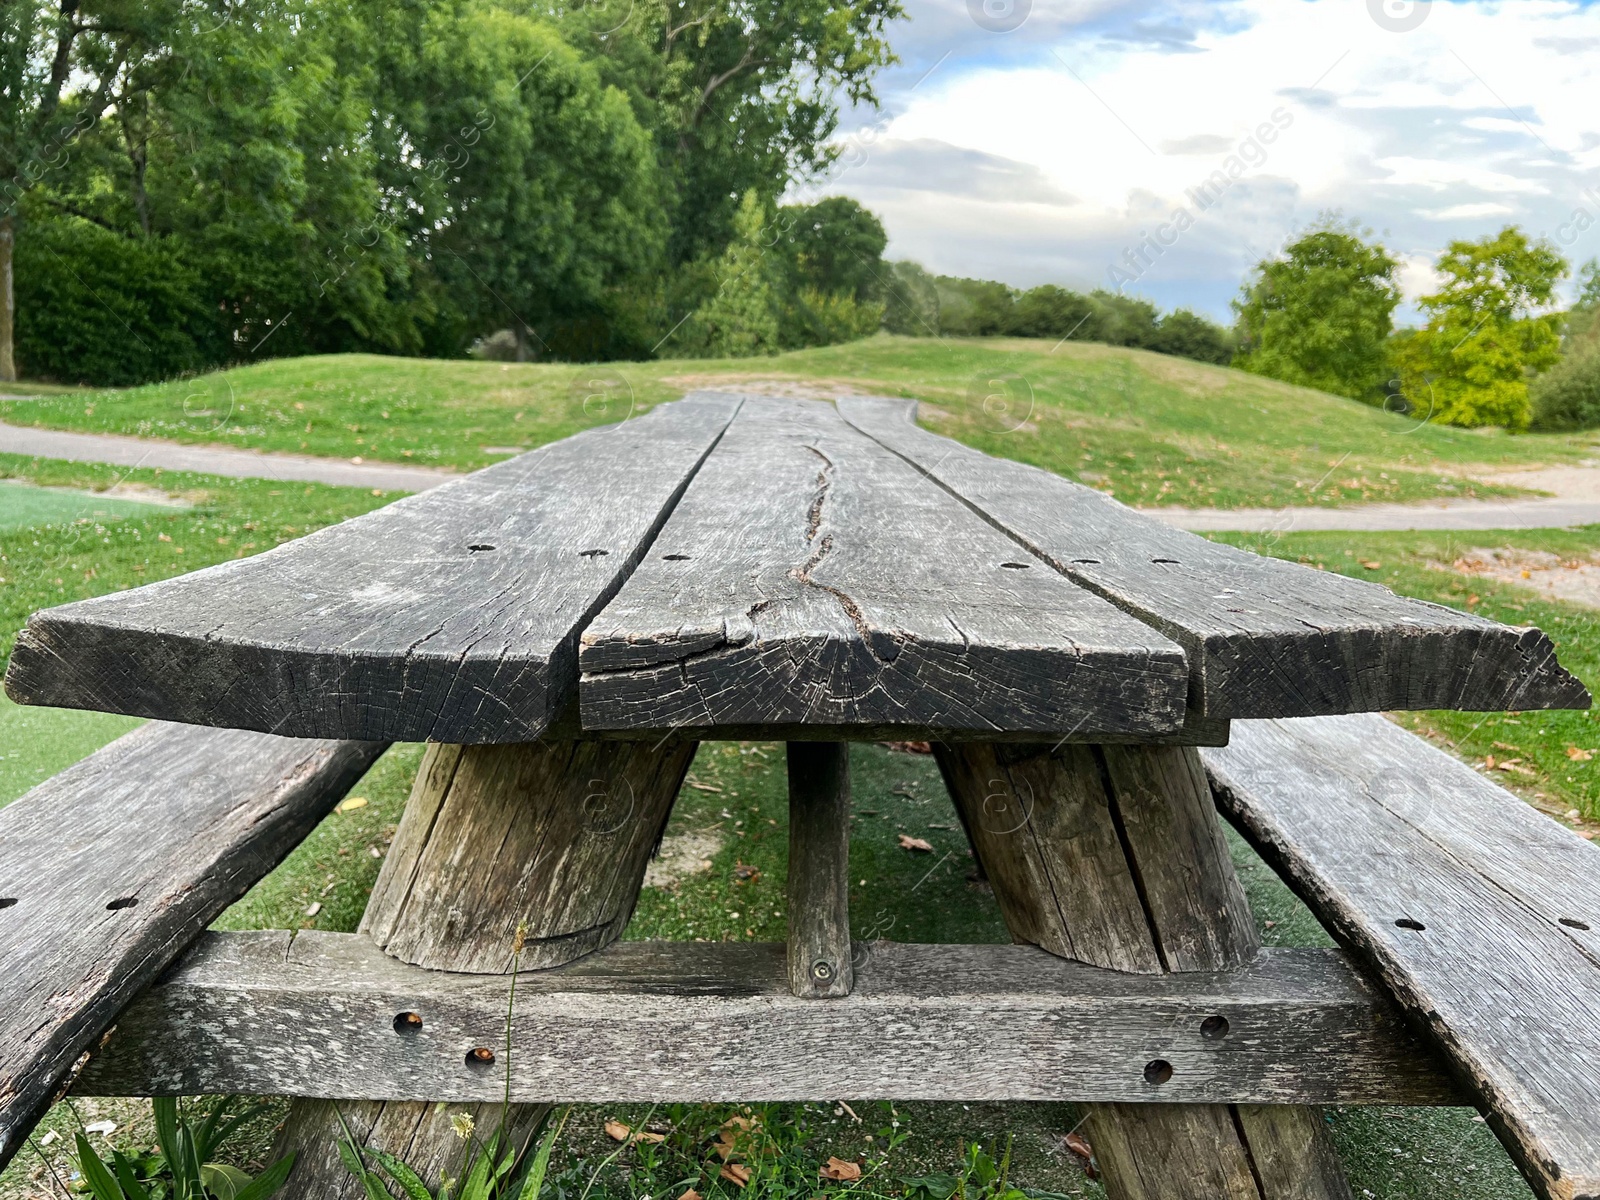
{"points": [[1480, 915], [111, 869]]}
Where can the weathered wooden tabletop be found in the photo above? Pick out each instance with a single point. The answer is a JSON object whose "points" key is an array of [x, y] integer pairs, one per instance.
{"points": [[747, 564]]}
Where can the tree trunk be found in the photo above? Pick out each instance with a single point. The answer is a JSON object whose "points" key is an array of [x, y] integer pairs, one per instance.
{"points": [[8, 301], [521, 332]]}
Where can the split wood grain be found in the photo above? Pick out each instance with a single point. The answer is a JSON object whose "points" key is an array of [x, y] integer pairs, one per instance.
{"points": [[543, 843], [1265, 637], [1113, 855], [703, 1022], [1481, 915], [819, 869], [109, 870], [810, 576], [450, 616]]}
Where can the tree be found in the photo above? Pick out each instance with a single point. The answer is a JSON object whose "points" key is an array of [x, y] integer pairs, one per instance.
{"points": [[742, 317], [739, 95], [1189, 335], [1488, 331], [836, 278], [911, 301], [66, 64], [1048, 311], [1321, 315]]}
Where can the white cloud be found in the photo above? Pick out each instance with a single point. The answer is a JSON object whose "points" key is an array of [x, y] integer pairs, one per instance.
{"points": [[1488, 112]]}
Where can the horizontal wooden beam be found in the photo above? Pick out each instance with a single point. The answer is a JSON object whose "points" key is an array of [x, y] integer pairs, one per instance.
{"points": [[330, 1015]]}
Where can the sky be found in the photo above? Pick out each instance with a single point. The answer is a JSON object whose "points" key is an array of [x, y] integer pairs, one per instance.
{"points": [[1071, 141]]}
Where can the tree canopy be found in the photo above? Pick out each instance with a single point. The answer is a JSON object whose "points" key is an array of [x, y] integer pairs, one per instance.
{"points": [[1320, 316], [1490, 328]]}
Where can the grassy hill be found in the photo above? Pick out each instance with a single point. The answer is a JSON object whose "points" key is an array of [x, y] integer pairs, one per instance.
{"points": [[1152, 429]]}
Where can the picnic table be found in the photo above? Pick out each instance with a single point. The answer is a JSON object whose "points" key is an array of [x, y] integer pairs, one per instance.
{"points": [[563, 629]]}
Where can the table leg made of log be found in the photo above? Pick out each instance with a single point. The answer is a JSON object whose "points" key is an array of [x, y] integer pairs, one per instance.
{"points": [[1114, 856], [508, 857]]}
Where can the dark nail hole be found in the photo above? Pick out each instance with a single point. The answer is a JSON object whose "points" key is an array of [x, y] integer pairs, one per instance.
{"points": [[593, 553], [1214, 1028], [7, 901], [480, 1059], [125, 902], [1173, 561], [479, 547], [1408, 923], [407, 1023], [1157, 1071], [1569, 922], [1015, 566], [675, 558], [1086, 562]]}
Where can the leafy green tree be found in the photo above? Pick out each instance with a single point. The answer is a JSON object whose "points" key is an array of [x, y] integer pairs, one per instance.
{"points": [[1123, 320], [1320, 316], [1189, 335], [65, 65], [975, 307], [836, 276], [1489, 329], [911, 301], [522, 179], [1049, 311], [739, 95], [743, 316]]}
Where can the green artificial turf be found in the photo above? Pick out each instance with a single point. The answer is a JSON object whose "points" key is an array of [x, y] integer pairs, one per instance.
{"points": [[1150, 428]]}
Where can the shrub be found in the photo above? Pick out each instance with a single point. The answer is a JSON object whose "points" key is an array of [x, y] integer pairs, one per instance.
{"points": [[1568, 395], [95, 307]]}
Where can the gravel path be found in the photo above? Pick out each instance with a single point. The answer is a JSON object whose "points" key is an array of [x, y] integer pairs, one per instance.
{"points": [[212, 460]]}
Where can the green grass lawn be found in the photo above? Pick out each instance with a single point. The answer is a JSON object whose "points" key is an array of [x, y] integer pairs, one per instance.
{"points": [[1150, 428], [735, 822]]}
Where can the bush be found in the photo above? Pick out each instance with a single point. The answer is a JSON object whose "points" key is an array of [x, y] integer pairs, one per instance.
{"points": [[95, 307], [1568, 395], [1190, 335]]}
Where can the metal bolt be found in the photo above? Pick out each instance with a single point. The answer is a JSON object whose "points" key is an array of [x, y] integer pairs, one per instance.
{"points": [[822, 971]]}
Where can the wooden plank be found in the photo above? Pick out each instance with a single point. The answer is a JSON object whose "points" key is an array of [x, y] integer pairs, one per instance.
{"points": [[1480, 915], [808, 576], [819, 869], [451, 616], [686, 1021], [110, 869], [1265, 638]]}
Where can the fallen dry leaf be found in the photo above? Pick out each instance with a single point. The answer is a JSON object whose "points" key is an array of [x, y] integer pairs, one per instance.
{"points": [[314, 909], [702, 787], [907, 842], [840, 1170], [1373, 566], [746, 873], [1488, 762], [733, 1137], [618, 1132], [691, 1194], [1577, 755], [1081, 1149], [735, 1173], [351, 803], [910, 747]]}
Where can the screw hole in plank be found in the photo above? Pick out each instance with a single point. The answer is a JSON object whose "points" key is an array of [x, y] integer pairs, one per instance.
{"points": [[593, 553], [408, 1023], [480, 1058], [123, 902], [674, 558], [1157, 1071], [1408, 923], [1015, 566], [7, 901], [1214, 1029], [1086, 562], [479, 548], [1169, 561], [1569, 922]]}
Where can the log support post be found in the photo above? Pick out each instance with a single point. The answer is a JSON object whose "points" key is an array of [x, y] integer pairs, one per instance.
{"points": [[522, 856], [819, 869], [1114, 856]]}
